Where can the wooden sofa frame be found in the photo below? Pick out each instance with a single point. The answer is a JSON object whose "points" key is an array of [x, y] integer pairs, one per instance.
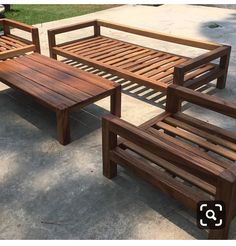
{"points": [[165, 158], [12, 45], [148, 67]]}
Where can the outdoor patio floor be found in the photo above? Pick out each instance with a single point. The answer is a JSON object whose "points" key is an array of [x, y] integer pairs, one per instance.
{"points": [[48, 191]]}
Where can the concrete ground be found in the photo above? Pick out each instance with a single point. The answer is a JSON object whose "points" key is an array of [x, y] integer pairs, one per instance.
{"points": [[53, 192]]}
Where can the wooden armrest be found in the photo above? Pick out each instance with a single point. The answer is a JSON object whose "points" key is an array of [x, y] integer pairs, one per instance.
{"points": [[161, 36], [176, 94], [183, 159], [19, 25], [204, 58], [24, 27]]}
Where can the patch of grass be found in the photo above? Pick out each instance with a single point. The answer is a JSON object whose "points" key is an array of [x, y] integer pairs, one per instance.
{"points": [[39, 13]]}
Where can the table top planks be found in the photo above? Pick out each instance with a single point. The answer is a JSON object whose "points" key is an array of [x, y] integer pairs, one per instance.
{"points": [[56, 84]]}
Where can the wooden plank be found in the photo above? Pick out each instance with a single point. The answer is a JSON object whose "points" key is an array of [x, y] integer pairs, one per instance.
{"points": [[75, 42], [43, 95], [198, 71], [116, 71], [10, 42], [17, 39], [125, 55], [134, 61], [164, 70], [89, 44], [16, 51], [163, 60], [114, 57], [161, 36], [51, 83], [83, 88], [104, 51], [189, 147], [215, 130], [171, 167], [68, 70], [199, 141], [162, 180], [148, 61], [204, 134]]}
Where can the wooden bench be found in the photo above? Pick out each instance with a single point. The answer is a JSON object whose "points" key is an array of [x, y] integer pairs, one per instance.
{"points": [[12, 45], [187, 158], [58, 86], [148, 67]]}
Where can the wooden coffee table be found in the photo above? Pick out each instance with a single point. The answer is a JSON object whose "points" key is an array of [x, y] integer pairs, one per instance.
{"points": [[59, 87]]}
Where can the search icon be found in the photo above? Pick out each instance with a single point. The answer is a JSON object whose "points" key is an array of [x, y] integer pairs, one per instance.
{"points": [[210, 214]]}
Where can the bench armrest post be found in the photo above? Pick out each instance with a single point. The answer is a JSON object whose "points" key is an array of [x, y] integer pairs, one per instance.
{"points": [[176, 94], [51, 44]]}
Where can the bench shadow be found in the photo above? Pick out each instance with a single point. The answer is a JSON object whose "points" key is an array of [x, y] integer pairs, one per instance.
{"points": [[147, 95], [82, 121]]}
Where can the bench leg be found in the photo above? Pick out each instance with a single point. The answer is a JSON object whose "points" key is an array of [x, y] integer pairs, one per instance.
{"points": [[116, 102], [109, 141], [226, 193], [224, 64], [63, 126]]}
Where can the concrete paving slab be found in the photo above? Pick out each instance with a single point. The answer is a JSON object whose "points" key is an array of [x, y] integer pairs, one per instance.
{"points": [[53, 192]]}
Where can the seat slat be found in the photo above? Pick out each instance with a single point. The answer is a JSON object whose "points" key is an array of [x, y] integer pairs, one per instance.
{"points": [[198, 140], [204, 134], [215, 130]]}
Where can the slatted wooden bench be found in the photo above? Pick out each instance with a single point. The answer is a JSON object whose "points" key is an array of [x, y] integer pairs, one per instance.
{"points": [[145, 66], [187, 158], [58, 86], [12, 45]]}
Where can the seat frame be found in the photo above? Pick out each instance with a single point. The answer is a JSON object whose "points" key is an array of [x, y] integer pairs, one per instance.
{"points": [[178, 71]]}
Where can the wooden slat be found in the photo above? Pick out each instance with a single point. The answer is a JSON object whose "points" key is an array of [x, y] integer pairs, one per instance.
{"points": [[198, 72], [163, 60], [88, 44], [158, 178], [17, 39], [75, 42], [204, 134], [59, 76], [129, 62], [45, 96], [198, 140], [53, 84], [189, 147], [17, 51], [143, 63], [69, 70], [130, 54], [171, 167], [116, 71], [215, 130]]}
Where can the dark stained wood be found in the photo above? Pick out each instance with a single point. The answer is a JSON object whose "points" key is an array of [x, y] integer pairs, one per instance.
{"points": [[158, 152], [12, 45], [148, 67], [58, 86]]}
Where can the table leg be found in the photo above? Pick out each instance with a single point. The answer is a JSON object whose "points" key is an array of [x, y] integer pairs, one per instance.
{"points": [[116, 102], [63, 126]]}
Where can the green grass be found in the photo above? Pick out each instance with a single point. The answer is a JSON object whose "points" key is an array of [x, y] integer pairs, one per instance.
{"points": [[39, 13]]}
